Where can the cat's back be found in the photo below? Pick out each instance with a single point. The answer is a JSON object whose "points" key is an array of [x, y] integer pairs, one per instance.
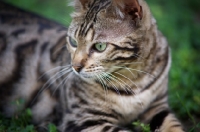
{"points": [[29, 46]]}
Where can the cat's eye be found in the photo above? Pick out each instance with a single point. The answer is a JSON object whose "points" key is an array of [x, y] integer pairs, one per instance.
{"points": [[100, 46], [72, 42]]}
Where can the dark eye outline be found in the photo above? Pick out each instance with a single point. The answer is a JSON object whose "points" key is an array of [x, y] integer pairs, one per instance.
{"points": [[94, 48], [72, 42]]}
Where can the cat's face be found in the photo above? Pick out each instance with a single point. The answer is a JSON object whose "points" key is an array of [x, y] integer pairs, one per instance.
{"points": [[100, 41]]}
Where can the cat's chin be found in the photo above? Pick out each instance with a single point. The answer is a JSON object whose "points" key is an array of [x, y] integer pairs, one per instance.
{"points": [[87, 76]]}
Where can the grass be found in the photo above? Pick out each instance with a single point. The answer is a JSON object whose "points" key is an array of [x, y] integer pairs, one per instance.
{"points": [[142, 126], [180, 22], [18, 123], [21, 123]]}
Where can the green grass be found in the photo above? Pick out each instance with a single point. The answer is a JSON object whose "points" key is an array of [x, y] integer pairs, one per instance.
{"points": [[142, 126], [180, 22], [21, 123], [18, 123]]}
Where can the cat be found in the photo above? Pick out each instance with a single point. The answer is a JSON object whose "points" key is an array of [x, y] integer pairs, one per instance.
{"points": [[113, 72]]}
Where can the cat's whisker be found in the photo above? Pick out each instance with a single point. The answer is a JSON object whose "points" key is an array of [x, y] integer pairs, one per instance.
{"points": [[126, 78], [125, 85], [63, 81], [53, 69], [132, 75], [106, 87], [48, 82], [135, 70], [117, 80], [133, 84], [134, 63], [120, 82], [46, 87], [104, 77], [56, 76], [136, 85], [109, 81], [102, 83]]}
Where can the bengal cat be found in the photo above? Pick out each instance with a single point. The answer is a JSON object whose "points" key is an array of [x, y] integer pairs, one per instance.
{"points": [[114, 72]]}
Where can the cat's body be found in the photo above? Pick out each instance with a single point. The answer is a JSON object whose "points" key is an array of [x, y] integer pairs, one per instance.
{"points": [[29, 47], [108, 88]]}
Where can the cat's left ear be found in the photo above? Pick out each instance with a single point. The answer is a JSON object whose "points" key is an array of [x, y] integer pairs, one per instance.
{"points": [[129, 7]]}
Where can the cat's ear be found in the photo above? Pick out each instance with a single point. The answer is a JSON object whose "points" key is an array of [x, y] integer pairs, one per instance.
{"points": [[129, 7], [80, 5]]}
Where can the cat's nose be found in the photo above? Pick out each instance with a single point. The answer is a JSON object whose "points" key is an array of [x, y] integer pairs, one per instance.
{"points": [[77, 67]]}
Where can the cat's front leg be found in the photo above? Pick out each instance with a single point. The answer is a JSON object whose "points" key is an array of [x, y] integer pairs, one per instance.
{"points": [[165, 121], [91, 126], [103, 128]]}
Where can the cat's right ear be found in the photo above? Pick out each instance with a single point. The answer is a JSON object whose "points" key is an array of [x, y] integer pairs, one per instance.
{"points": [[80, 5], [128, 7]]}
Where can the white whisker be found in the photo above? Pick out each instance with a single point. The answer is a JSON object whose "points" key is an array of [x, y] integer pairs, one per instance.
{"points": [[135, 70], [103, 83], [107, 77], [132, 82], [134, 63], [53, 77], [63, 81], [117, 80], [46, 87], [53, 69], [126, 78]]}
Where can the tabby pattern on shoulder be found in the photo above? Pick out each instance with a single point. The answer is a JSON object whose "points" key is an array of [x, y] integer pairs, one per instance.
{"points": [[114, 72]]}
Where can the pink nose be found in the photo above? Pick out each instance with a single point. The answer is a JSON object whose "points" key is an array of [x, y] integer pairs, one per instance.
{"points": [[77, 67]]}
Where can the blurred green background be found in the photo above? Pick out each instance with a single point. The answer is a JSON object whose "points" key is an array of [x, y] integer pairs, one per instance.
{"points": [[179, 21]]}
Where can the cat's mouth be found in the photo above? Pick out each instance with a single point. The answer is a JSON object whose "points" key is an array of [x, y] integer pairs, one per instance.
{"points": [[89, 73]]}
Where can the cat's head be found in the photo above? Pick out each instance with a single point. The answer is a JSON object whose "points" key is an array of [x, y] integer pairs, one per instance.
{"points": [[105, 35]]}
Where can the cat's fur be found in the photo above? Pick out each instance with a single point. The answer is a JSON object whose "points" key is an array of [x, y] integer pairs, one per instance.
{"points": [[94, 91]]}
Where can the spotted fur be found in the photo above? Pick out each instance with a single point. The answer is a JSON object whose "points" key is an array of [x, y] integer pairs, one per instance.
{"points": [[82, 89]]}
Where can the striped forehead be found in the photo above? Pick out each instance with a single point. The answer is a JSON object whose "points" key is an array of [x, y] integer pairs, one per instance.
{"points": [[95, 7], [92, 33], [90, 17], [85, 34], [90, 28]]}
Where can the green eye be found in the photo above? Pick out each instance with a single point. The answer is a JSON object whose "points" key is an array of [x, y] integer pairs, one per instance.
{"points": [[100, 47], [72, 42]]}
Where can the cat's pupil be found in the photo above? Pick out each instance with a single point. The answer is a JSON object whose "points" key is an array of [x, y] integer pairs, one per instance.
{"points": [[100, 47]]}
